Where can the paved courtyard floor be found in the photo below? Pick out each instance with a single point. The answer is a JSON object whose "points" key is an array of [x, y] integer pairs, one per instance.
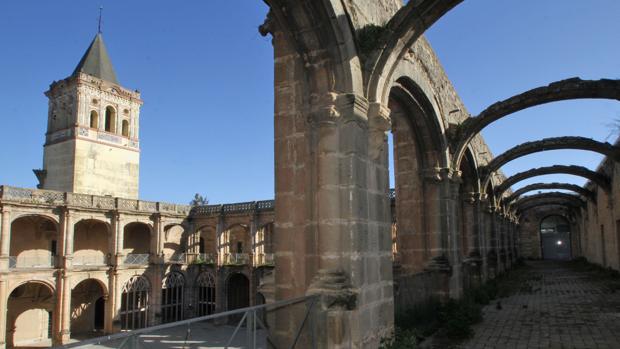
{"points": [[558, 306]]}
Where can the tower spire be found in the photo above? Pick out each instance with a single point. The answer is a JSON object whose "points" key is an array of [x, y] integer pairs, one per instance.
{"points": [[99, 26]]}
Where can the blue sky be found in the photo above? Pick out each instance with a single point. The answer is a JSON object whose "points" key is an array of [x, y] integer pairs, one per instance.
{"points": [[206, 77]]}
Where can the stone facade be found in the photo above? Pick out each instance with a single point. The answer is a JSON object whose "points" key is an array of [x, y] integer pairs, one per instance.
{"points": [[62, 253]]}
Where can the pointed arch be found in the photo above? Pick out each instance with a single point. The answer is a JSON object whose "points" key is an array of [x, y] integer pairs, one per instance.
{"points": [[568, 89]]}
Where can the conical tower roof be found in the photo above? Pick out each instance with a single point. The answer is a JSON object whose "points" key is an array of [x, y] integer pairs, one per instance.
{"points": [[96, 62]]}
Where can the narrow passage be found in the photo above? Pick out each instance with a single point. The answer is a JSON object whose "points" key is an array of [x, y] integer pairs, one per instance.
{"points": [[560, 305]]}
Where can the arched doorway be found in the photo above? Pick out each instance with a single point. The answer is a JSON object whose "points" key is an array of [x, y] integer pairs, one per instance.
{"points": [[87, 309], [135, 303], [29, 315], [555, 238], [238, 291]]}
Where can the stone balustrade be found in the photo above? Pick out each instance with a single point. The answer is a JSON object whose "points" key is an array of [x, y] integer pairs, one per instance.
{"points": [[57, 198]]}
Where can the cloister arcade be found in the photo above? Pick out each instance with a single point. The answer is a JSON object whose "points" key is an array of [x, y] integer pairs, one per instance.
{"points": [[82, 271], [334, 229]]}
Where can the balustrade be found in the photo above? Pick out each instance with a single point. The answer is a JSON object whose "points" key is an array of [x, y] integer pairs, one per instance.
{"points": [[137, 259], [18, 262]]}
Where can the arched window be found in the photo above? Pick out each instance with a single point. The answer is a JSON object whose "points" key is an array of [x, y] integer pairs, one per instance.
{"points": [[110, 119], [125, 128], [134, 303], [94, 119], [206, 294], [172, 297]]}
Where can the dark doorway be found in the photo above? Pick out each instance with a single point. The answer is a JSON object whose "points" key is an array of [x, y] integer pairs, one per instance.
{"points": [[238, 291], [99, 313], [555, 238]]}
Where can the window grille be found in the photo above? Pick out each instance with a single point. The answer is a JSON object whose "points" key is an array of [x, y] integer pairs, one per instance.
{"points": [[172, 297], [206, 294], [135, 303]]}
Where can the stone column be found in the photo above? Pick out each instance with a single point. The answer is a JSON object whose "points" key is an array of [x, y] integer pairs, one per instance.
{"points": [[158, 238], [219, 230], [482, 222], [110, 304], [5, 239], [118, 226], [253, 231], [65, 325], [67, 238], [4, 299]]}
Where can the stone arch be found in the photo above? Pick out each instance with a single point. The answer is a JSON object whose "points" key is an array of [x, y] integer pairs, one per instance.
{"points": [[237, 291], [125, 128], [88, 300], [109, 121], [175, 241], [541, 186], [405, 27], [417, 151], [136, 238], [236, 239], [568, 89], [315, 30], [263, 245], [93, 121], [601, 180], [548, 202], [547, 198], [468, 189], [554, 143], [29, 313], [425, 121], [34, 241], [207, 235], [91, 242]]}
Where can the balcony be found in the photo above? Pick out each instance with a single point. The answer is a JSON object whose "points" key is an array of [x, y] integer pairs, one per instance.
{"points": [[136, 259], [236, 259], [178, 258], [206, 258], [90, 260], [264, 260], [31, 262]]}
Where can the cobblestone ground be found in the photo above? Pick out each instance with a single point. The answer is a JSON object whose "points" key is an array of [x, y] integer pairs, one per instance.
{"points": [[557, 307]]}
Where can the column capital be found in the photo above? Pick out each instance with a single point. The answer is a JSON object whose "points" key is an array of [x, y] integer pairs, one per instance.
{"points": [[440, 174], [335, 107]]}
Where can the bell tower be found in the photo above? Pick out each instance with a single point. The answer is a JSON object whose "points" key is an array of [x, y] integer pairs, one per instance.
{"points": [[92, 140]]}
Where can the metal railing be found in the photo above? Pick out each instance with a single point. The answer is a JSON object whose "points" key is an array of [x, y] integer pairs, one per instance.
{"points": [[236, 259], [256, 320], [18, 262], [206, 258], [90, 260], [178, 258], [264, 259], [136, 259]]}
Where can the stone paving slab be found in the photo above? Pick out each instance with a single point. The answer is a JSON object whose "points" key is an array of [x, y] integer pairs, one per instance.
{"points": [[560, 308]]}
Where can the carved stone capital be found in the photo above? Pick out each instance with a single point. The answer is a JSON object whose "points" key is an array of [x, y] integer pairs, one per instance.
{"points": [[332, 108], [439, 174]]}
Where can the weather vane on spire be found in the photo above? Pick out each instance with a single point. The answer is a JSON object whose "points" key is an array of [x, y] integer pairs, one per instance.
{"points": [[99, 26]]}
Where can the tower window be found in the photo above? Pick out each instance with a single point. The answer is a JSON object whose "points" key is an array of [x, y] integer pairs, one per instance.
{"points": [[94, 119], [110, 119], [125, 128]]}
